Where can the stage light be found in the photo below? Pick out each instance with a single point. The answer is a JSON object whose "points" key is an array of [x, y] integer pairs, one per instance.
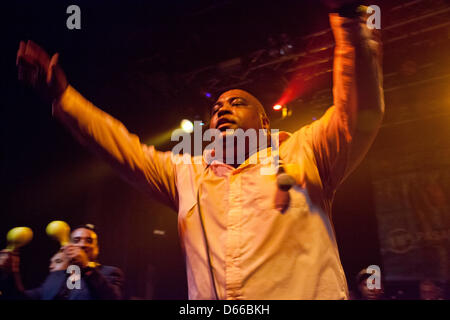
{"points": [[208, 95], [159, 232], [277, 107], [285, 111], [286, 45], [187, 126]]}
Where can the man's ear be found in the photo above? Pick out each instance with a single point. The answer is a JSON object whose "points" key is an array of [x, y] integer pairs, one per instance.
{"points": [[265, 123]]}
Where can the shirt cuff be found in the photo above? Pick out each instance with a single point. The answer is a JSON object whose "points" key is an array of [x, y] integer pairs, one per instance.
{"points": [[348, 31]]}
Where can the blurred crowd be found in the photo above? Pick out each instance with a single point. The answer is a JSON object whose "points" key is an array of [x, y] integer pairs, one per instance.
{"points": [[425, 289]]}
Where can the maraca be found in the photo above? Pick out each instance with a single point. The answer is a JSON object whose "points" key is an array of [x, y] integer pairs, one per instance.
{"points": [[59, 230], [18, 237]]}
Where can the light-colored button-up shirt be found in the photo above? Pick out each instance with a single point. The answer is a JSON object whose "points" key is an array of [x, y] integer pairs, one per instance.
{"points": [[257, 252]]}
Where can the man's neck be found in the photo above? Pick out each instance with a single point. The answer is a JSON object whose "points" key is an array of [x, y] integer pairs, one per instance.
{"points": [[232, 157]]}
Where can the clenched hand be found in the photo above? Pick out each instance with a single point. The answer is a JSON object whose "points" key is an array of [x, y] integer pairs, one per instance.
{"points": [[37, 69], [76, 255]]}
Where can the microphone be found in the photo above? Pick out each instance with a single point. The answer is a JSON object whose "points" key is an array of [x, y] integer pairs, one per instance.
{"points": [[284, 180], [284, 183]]}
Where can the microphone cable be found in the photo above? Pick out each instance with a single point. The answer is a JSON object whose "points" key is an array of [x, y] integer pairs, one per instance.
{"points": [[284, 182], [205, 237]]}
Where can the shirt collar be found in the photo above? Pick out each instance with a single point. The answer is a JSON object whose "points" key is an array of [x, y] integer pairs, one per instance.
{"points": [[261, 156]]}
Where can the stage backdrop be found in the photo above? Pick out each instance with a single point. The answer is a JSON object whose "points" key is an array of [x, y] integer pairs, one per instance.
{"points": [[410, 169]]}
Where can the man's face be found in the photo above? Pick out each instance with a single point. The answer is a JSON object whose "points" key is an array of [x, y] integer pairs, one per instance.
{"points": [[87, 240], [58, 262], [237, 109], [369, 294]]}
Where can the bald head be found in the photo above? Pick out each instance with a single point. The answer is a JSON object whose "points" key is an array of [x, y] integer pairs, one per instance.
{"points": [[249, 97], [238, 109]]}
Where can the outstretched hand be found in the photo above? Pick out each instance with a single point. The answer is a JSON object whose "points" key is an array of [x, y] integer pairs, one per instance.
{"points": [[41, 72]]}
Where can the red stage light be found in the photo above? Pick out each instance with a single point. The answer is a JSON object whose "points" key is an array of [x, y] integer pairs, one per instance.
{"points": [[277, 107]]}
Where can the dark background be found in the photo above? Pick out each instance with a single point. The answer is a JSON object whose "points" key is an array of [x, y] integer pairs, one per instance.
{"points": [[129, 59]]}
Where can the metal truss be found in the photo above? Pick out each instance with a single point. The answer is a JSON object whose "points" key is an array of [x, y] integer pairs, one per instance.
{"points": [[409, 31]]}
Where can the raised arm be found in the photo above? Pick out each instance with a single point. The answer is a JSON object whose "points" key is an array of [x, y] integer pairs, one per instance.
{"points": [[11, 286], [342, 137], [144, 167]]}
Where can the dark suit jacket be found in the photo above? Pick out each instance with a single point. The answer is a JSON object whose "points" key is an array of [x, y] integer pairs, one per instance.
{"points": [[103, 283]]}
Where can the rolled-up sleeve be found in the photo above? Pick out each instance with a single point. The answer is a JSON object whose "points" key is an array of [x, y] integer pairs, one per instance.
{"points": [[342, 137], [144, 167]]}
